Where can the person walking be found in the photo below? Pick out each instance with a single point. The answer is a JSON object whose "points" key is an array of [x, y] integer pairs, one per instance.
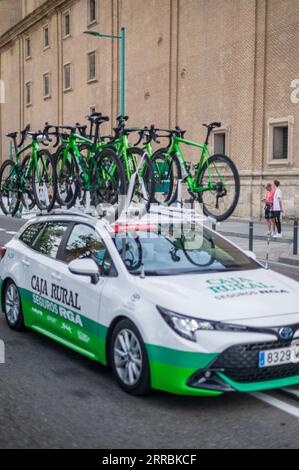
{"points": [[277, 207], [269, 216]]}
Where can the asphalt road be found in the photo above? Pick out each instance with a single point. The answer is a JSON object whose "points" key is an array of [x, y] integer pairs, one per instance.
{"points": [[51, 397]]}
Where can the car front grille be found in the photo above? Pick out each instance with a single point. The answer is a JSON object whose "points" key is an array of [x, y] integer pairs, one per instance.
{"points": [[240, 363]]}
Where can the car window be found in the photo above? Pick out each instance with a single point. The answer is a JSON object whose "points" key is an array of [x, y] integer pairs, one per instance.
{"points": [[85, 242], [49, 239], [29, 235]]}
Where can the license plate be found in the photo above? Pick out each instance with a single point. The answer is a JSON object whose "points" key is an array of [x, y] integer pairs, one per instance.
{"points": [[275, 357]]}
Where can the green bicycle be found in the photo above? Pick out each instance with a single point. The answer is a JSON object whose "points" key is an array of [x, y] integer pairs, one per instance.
{"points": [[215, 182], [31, 180], [136, 163], [78, 173]]}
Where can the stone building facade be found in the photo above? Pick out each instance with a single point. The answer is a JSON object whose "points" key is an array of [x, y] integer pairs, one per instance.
{"points": [[188, 62]]}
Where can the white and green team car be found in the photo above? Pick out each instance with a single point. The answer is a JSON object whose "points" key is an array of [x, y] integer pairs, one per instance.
{"points": [[168, 307]]}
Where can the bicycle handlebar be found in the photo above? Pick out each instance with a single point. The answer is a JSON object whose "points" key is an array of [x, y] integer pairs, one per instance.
{"points": [[24, 134], [141, 136], [149, 134]]}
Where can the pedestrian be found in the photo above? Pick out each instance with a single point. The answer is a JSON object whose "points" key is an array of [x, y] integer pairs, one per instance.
{"points": [[269, 216], [277, 207]]}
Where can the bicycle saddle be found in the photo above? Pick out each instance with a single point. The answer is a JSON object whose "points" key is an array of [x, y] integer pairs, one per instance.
{"points": [[97, 117], [12, 135], [213, 125], [122, 118]]}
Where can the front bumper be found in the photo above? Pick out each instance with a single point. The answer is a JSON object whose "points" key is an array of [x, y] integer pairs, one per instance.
{"points": [[235, 369]]}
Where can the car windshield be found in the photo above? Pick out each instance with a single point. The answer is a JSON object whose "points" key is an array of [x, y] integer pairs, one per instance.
{"points": [[160, 250]]}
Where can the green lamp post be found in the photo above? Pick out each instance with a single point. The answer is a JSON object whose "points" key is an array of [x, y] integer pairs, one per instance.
{"points": [[121, 37]]}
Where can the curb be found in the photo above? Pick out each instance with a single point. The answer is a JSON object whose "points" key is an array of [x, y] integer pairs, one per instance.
{"points": [[291, 260], [255, 237]]}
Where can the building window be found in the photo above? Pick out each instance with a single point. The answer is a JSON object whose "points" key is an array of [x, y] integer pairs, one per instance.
{"points": [[28, 93], [67, 77], [92, 11], [280, 142], [219, 143], [27, 48], [66, 24], [46, 85], [91, 66], [46, 38]]}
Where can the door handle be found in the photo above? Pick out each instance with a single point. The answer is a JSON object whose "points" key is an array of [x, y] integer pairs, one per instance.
{"points": [[56, 277], [25, 263]]}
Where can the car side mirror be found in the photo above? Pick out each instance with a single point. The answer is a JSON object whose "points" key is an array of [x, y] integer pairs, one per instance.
{"points": [[85, 267]]}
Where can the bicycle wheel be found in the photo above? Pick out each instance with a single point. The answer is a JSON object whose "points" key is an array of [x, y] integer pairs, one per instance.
{"points": [[27, 196], [44, 181], [201, 258], [86, 152], [9, 188], [220, 181], [144, 187], [167, 172], [67, 178], [109, 181]]}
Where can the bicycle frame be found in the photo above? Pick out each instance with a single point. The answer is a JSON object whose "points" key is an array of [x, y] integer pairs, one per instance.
{"points": [[71, 143], [122, 145], [205, 154], [33, 163]]}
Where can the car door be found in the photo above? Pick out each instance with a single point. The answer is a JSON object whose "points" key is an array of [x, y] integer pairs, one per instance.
{"points": [[39, 261], [83, 297]]}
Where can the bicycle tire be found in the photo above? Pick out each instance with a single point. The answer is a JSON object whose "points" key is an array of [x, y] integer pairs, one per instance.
{"points": [[210, 161], [148, 179], [36, 191], [71, 177], [31, 205], [15, 208], [171, 194], [60, 146], [102, 195], [81, 189]]}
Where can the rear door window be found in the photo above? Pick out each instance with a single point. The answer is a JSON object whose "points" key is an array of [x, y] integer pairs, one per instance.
{"points": [[30, 234], [50, 238]]}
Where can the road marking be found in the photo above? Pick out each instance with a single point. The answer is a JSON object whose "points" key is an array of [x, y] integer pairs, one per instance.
{"points": [[11, 233], [281, 405], [294, 393]]}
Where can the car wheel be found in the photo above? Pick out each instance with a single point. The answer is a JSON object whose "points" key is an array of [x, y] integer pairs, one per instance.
{"points": [[13, 307], [129, 359]]}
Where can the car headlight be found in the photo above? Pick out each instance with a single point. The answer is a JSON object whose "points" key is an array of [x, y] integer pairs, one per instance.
{"points": [[187, 326]]}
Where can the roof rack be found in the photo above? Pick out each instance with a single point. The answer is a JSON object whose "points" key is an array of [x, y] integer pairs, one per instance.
{"points": [[63, 212], [178, 212], [172, 212]]}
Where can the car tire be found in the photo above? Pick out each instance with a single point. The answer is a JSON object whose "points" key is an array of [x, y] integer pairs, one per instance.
{"points": [[133, 373], [13, 307]]}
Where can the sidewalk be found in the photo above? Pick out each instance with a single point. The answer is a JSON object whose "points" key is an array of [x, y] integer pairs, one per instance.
{"points": [[279, 249]]}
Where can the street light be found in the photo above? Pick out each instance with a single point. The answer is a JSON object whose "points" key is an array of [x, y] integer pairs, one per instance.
{"points": [[122, 62]]}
